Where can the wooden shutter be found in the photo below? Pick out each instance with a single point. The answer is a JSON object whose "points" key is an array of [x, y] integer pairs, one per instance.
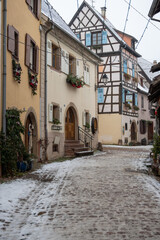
{"points": [[87, 76], [88, 39], [28, 2], [74, 66], [133, 71], [11, 39], [50, 112], [136, 99], [49, 53], [58, 58], [123, 95], [77, 68], [67, 63], [38, 8], [83, 118], [27, 49], [37, 59]]}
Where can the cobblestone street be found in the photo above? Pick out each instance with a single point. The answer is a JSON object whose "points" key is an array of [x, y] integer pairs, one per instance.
{"points": [[108, 196]]}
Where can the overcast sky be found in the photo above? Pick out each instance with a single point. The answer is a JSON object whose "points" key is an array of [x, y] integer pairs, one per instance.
{"points": [[149, 47]]}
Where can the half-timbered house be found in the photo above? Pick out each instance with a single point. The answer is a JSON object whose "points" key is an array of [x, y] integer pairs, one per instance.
{"points": [[67, 88], [117, 100]]}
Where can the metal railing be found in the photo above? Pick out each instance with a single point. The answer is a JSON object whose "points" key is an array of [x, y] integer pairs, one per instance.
{"points": [[85, 137]]}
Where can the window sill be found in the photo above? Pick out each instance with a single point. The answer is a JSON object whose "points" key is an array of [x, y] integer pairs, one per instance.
{"points": [[52, 68]]}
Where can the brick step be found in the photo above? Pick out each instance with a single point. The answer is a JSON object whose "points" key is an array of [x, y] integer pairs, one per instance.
{"points": [[84, 153]]}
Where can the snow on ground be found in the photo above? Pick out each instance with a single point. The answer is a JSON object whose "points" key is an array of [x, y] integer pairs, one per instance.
{"points": [[147, 147], [30, 199]]}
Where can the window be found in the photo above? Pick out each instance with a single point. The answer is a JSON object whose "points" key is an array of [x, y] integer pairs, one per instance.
{"points": [[141, 82], [31, 54], [142, 126], [13, 41], [142, 102], [133, 71], [86, 120], [56, 57], [86, 75], [54, 113], [126, 126], [96, 38], [34, 6], [72, 65]]}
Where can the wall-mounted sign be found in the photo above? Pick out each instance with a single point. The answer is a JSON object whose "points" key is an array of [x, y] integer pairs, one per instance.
{"points": [[100, 95], [56, 127]]}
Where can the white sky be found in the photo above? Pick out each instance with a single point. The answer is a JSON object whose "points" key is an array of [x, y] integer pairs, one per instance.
{"points": [[116, 12]]}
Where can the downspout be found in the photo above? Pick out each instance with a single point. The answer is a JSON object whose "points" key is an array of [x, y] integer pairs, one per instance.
{"points": [[45, 92], [4, 66]]}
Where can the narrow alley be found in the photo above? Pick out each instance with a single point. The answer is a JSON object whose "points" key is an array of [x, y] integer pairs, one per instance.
{"points": [[102, 197]]}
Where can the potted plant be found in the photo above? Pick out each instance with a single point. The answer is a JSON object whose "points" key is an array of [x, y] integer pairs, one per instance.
{"points": [[87, 126], [127, 105], [17, 70], [33, 82], [56, 121], [136, 108], [75, 81], [127, 76]]}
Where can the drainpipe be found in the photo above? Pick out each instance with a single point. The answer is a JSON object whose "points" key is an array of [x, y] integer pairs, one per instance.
{"points": [[45, 91], [4, 66]]}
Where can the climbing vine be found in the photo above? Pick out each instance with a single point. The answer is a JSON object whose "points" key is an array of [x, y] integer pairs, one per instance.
{"points": [[12, 148]]}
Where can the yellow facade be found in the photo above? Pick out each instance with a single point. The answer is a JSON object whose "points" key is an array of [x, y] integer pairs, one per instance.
{"points": [[110, 128], [20, 95]]}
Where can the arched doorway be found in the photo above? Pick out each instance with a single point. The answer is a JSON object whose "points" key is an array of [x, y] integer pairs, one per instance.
{"points": [[70, 124], [133, 132], [31, 134]]}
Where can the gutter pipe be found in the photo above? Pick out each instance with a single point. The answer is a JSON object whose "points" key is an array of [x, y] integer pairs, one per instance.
{"points": [[4, 66], [45, 91]]}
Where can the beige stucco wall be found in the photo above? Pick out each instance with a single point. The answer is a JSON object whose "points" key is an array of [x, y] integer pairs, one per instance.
{"points": [[110, 128], [63, 94], [127, 133], [20, 95]]}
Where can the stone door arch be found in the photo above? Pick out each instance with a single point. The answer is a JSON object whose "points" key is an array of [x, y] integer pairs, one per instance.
{"points": [[71, 125], [133, 132]]}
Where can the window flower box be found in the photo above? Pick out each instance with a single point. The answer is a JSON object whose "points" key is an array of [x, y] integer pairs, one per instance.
{"points": [[33, 82], [75, 81], [56, 121], [127, 76], [136, 108], [127, 105], [17, 70]]}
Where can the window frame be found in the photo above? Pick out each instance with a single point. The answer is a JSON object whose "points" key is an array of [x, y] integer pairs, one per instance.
{"points": [[28, 42], [97, 38], [35, 8]]}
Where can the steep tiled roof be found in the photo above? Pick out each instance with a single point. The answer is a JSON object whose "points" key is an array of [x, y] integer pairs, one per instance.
{"points": [[50, 12]]}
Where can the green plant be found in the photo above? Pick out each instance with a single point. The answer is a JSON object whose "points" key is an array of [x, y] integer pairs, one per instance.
{"points": [[56, 121], [17, 70], [75, 81], [33, 82], [127, 76], [136, 108], [156, 146], [127, 105], [12, 148], [87, 125]]}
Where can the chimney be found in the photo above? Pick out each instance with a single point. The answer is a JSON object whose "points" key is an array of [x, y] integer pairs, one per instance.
{"points": [[103, 12], [155, 62]]}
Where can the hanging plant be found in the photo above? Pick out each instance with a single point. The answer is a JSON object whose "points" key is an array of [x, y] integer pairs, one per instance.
{"points": [[33, 82], [75, 81], [56, 121], [127, 76], [136, 108], [127, 105], [17, 70]]}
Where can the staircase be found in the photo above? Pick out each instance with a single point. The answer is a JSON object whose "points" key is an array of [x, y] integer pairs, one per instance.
{"points": [[75, 148]]}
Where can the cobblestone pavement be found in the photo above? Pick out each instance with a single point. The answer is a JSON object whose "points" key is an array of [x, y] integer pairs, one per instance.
{"points": [[103, 197]]}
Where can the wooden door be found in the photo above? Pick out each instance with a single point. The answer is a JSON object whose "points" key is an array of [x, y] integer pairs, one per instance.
{"points": [[133, 132], [70, 125], [150, 131]]}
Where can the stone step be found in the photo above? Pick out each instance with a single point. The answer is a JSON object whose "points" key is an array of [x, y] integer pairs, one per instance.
{"points": [[80, 149], [84, 153]]}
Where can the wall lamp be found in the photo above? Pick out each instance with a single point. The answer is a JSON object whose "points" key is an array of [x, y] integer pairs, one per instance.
{"points": [[104, 81]]}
